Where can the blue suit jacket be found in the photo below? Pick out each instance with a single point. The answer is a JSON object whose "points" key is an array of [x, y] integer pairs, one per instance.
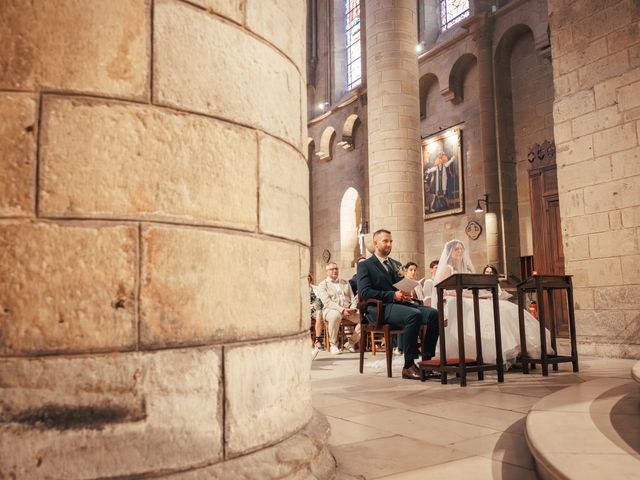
{"points": [[375, 282]]}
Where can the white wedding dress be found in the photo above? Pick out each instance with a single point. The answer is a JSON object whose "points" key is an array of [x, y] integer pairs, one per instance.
{"points": [[509, 328]]}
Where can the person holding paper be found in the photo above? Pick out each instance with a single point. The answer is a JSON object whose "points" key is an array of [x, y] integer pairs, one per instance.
{"points": [[376, 278]]}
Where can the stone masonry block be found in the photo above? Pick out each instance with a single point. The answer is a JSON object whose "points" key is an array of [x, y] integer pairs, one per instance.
{"points": [[583, 174], [583, 298], [602, 244], [67, 288], [574, 151], [603, 69], [626, 164], [603, 197], [576, 248], [631, 270], [202, 286], [631, 217], [281, 22], [105, 46], [277, 401], [573, 106], [630, 192], [618, 298], [284, 191], [615, 139], [629, 96], [596, 272], [601, 119], [18, 153], [232, 9], [198, 57], [572, 204], [109, 159], [108, 416], [597, 222]]}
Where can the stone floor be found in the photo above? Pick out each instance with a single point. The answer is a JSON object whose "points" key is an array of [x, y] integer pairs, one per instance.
{"points": [[402, 429]]}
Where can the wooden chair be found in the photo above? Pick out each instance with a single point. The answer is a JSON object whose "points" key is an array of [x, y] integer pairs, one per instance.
{"points": [[367, 328], [345, 329]]}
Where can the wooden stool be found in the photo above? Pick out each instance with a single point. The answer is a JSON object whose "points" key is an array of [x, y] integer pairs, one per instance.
{"points": [[539, 284], [473, 282]]}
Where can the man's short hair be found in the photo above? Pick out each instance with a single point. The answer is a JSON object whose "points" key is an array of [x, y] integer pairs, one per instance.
{"points": [[434, 263], [329, 265], [377, 233]]}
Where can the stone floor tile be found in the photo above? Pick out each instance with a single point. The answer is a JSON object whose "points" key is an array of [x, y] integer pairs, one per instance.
{"points": [[344, 432], [350, 408], [479, 415], [386, 456], [502, 447], [476, 468]]}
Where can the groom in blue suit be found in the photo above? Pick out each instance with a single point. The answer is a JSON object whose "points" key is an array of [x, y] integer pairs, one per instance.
{"points": [[376, 276]]}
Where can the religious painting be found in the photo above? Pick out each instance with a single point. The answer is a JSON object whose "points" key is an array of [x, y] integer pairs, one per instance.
{"points": [[442, 173]]}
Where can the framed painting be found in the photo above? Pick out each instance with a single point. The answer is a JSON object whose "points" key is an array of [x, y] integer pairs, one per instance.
{"points": [[442, 179]]}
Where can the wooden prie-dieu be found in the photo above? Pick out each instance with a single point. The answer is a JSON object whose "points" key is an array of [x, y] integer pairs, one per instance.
{"points": [[540, 284], [461, 365]]}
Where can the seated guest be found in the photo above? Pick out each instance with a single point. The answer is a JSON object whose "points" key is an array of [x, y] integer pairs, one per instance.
{"points": [[411, 272], [316, 316], [353, 281], [338, 302], [376, 276], [428, 283]]}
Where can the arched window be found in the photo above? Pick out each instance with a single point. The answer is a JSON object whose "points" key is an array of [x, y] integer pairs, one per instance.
{"points": [[352, 33], [452, 11]]}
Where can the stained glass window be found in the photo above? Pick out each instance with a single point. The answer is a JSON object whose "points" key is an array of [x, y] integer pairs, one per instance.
{"points": [[354, 56], [452, 11]]}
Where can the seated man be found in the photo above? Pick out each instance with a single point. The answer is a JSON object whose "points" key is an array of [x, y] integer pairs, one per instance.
{"points": [[376, 277], [338, 302]]}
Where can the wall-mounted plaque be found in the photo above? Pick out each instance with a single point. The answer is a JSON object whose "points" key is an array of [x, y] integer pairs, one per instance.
{"points": [[473, 230], [326, 256]]}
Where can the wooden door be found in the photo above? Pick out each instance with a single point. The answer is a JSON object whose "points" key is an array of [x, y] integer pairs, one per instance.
{"points": [[548, 254]]}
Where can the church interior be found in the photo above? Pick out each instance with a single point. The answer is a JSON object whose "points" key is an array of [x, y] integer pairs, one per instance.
{"points": [[174, 170]]}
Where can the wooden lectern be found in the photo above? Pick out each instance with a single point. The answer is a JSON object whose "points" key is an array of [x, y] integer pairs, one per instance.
{"points": [[461, 365]]}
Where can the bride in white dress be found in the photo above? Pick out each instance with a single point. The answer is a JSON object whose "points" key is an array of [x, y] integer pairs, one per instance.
{"points": [[455, 259]]}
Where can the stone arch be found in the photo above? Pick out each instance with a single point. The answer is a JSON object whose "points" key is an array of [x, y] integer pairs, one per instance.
{"points": [[350, 220], [349, 129], [327, 141], [458, 74], [426, 82]]}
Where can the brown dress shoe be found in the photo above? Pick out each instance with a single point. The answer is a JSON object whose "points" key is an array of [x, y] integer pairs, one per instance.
{"points": [[411, 373]]}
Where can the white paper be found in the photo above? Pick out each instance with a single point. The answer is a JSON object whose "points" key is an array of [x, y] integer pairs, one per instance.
{"points": [[406, 284]]}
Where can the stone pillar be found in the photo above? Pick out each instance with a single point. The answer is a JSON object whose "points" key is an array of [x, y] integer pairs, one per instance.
{"points": [[148, 188], [395, 172], [482, 37], [597, 132]]}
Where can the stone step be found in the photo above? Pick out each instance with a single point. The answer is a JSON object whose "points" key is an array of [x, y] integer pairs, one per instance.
{"points": [[590, 430]]}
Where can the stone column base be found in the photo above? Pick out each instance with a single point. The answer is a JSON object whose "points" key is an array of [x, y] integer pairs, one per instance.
{"points": [[303, 456]]}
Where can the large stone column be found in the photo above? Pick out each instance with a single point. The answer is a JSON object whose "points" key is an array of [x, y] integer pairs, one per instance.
{"points": [[150, 194], [395, 173], [488, 149]]}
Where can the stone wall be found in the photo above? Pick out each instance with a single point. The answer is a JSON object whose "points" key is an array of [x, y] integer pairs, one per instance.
{"points": [[596, 60], [151, 195]]}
